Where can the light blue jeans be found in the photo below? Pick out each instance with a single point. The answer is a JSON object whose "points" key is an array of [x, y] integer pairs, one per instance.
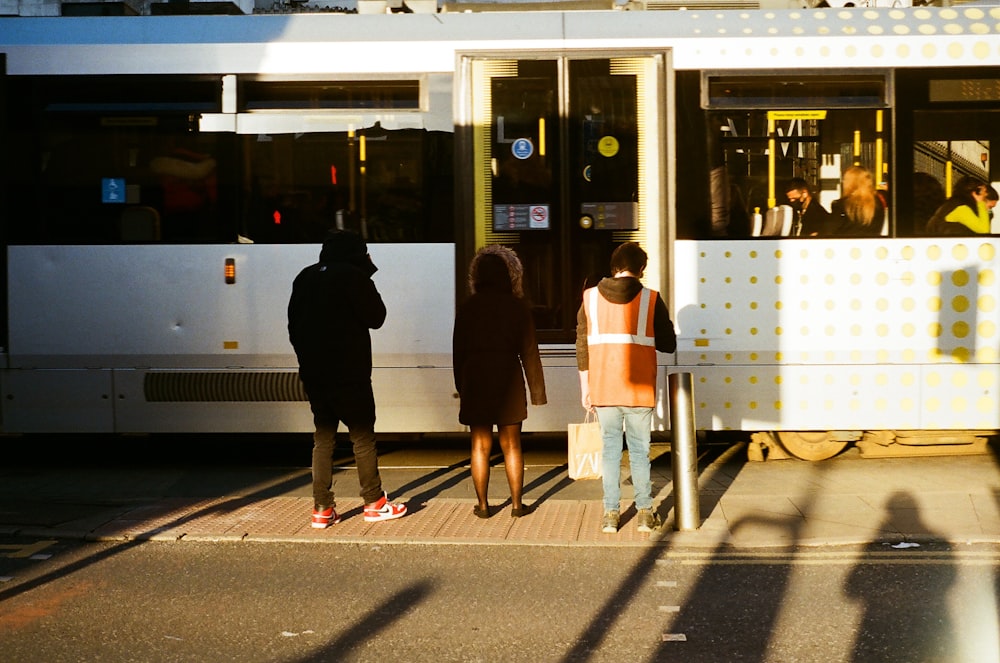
{"points": [[635, 421]]}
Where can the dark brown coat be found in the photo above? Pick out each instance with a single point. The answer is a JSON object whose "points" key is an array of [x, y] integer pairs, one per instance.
{"points": [[494, 350]]}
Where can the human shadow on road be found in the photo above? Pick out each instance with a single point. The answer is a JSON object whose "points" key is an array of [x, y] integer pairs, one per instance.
{"points": [[715, 475], [604, 622], [726, 599], [564, 481], [369, 626], [905, 606], [433, 483]]}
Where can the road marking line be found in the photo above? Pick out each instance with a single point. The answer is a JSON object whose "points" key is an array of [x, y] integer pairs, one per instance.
{"points": [[839, 558], [669, 608], [26, 550], [674, 637], [666, 583]]}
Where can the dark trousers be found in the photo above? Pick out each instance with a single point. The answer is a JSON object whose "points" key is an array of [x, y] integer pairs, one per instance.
{"points": [[354, 405]]}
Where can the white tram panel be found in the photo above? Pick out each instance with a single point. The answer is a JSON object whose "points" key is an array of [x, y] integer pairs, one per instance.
{"points": [[167, 308], [169, 305], [336, 44], [834, 334]]}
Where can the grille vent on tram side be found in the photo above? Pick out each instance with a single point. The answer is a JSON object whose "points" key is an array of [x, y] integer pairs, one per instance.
{"points": [[261, 386]]}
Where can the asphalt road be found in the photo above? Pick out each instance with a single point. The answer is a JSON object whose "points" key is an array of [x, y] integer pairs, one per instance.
{"points": [[156, 601]]}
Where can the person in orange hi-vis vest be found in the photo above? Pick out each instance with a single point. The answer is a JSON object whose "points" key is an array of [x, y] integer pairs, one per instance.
{"points": [[620, 328]]}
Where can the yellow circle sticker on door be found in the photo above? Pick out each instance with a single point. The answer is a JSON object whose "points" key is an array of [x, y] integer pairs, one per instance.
{"points": [[608, 146]]}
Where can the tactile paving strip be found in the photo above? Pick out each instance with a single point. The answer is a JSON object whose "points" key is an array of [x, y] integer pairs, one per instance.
{"points": [[421, 522], [226, 520], [590, 530], [288, 518], [463, 525], [281, 518], [549, 522], [160, 521]]}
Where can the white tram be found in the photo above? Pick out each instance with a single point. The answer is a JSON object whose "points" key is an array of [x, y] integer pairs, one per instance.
{"points": [[165, 178]]}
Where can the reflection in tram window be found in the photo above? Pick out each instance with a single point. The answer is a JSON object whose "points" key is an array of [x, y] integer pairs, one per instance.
{"points": [[564, 185], [175, 183], [762, 131]]}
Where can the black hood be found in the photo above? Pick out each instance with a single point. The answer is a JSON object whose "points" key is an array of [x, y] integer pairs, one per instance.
{"points": [[342, 246]]}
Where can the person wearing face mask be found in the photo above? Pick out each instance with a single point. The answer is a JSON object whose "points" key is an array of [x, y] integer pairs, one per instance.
{"points": [[811, 219]]}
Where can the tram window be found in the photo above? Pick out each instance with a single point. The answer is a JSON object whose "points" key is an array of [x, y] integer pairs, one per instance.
{"points": [[179, 184], [745, 179], [76, 135], [761, 133], [388, 185], [796, 90], [951, 120], [329, 95], [964, 90], [128, 95]]}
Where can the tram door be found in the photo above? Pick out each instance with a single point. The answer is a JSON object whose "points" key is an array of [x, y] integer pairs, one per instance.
{"points": [[568, 160]]}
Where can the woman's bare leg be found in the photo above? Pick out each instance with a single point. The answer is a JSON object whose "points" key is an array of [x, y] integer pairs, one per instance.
{"points": [[482, 445], [513, 460]]}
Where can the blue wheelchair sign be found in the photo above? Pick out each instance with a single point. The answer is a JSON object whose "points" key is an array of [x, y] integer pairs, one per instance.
{"points": [[522, 148]]}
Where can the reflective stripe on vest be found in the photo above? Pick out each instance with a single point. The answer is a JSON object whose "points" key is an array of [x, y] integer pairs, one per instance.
{"points": [[641, 335], [622, 347]]}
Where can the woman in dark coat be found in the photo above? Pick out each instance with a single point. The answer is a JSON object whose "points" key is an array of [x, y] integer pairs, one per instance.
{"points": [[494, 350]]}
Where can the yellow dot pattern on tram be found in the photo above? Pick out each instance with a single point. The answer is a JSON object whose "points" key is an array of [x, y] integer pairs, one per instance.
{"points": [[874, 334], [953, 36]]}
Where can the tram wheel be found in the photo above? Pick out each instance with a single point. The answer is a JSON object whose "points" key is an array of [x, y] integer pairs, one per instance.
{"points": [[810, 445]]}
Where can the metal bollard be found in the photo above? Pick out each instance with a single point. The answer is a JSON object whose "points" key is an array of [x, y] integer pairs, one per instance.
{"points": [[683, 452]]}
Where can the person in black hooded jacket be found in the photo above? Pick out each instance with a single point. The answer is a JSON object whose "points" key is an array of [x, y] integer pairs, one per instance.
{"points": [[333, 306]]}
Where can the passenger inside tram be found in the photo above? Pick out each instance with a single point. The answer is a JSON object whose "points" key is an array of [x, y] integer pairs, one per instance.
{"points": [[966, 212]]}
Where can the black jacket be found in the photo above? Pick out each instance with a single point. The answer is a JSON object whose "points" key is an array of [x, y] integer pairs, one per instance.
{"points": [[333, 306]]}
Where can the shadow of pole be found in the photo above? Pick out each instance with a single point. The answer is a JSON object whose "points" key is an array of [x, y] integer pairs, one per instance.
{"points": [[544, 478], [368, 627], [226, 506], [601, 625], [442, 475], [759, 605], [598, 628], [445, 477]]}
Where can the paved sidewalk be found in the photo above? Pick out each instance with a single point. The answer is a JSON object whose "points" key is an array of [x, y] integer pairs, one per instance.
{"points": [[846, 500]]}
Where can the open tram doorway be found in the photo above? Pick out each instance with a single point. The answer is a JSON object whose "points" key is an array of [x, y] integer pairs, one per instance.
{"points": [[563, 158]]}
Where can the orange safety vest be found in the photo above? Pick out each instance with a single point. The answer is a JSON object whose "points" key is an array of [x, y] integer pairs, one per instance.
{"points": [[622, 348]]}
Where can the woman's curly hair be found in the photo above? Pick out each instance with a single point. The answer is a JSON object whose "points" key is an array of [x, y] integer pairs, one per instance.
{"points": [[483, 277]]}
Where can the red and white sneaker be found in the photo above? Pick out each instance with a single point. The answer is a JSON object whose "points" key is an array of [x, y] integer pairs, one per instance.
{"points": [[384, 510], [323, 518]]}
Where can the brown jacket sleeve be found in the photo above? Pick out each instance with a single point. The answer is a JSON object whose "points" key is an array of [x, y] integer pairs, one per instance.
{"points": [[531, 361]]}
